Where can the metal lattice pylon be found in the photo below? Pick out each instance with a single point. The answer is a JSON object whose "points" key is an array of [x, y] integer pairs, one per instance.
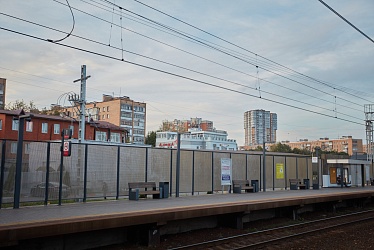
{"points": [[369, 119]]}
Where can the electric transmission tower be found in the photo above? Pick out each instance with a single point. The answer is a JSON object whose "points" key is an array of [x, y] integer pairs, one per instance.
{"points": [[369, 118]]}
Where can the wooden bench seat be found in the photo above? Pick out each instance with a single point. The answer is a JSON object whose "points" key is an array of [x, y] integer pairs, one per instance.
{"points": [[239, 185], [143, 188], [296, 184]]}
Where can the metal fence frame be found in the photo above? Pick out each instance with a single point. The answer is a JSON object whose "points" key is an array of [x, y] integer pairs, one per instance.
{"points": [[91, 167]]}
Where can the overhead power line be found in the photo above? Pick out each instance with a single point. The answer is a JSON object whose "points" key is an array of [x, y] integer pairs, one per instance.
{"points": [[362, 33], [59, 40], [201, 73], [179, 76], [227, 53], [233, 44]]}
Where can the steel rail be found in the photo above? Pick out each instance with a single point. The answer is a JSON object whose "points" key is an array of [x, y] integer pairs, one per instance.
{"points": [[219, 243]]}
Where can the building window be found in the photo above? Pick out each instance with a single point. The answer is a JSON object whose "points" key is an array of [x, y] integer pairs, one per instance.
{"points": [[1, 124], [29, 126], [71, 127], [107, 108], [103, 117], [15, 124], [115, 137], [56, 129], [100, 136], [44, 127], [13, 148], [107, 116], [103, 109]]}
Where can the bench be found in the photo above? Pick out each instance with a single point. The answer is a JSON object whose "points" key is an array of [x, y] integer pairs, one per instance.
{"points": [[143, 188], [239, 185], [296, 184]]}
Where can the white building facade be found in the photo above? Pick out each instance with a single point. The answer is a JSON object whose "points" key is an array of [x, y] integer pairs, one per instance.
{"points": [[196, 139]]}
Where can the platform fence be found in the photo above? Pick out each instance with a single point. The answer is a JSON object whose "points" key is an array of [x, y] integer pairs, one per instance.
{"points": [[103, 171]]}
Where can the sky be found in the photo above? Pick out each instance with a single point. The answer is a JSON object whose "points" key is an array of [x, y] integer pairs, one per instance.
{"points": [[212, 59]]}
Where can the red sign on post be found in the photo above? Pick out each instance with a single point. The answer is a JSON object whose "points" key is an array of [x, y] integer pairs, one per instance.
{"points": [[67, 148]]}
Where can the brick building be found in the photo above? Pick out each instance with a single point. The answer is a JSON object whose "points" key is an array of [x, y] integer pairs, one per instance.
{"points": [[48, 128], [184, 125], [2, 92], [120, 111], [345, 144]]}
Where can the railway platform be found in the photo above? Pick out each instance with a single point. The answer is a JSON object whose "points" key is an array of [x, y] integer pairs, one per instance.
{"points": [[93, 224]]}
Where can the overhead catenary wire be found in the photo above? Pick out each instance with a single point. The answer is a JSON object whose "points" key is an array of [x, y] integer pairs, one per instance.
{"points": [[205, 58], [71, 31], [218, 78], [250, 62], [178, 75], [240, 47], [309, 78], [345, 20]]}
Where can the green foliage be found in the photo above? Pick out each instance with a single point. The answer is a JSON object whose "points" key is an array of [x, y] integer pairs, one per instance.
{"points": [[333, 153], [151, 138], [258, 148], [21, 104], [279, 147], [301, 151], [284, 148]]}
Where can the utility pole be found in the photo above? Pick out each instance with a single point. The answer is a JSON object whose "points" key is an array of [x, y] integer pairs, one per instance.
{"points": [[263, 151], [369, 119], [82, 102]]}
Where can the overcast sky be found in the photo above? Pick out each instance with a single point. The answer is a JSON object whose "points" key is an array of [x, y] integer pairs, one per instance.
{"points": [[294, 58]]}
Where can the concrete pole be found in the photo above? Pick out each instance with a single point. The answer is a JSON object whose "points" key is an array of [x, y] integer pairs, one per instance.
{"points": [[178, 165], [263, 152], [83, 103]]}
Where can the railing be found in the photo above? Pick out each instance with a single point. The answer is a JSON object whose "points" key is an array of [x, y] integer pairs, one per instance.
{"points": [[92, 167]]}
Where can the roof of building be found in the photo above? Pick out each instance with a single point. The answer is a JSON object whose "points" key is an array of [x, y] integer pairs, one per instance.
{"points": [[49, 117], [106, 125]]}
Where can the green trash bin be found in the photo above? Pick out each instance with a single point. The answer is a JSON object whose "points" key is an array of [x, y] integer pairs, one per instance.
{"points": [[254, 184], [164, 188], [306, 183]]}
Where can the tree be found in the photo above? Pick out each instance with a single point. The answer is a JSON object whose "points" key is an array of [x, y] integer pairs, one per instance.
{"points": [[258, 148], [301, 151], [21, 104], [151, 138], [279, 147]]}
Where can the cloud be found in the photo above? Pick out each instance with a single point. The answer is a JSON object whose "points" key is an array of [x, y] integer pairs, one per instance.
{"points": [[303, 36]]}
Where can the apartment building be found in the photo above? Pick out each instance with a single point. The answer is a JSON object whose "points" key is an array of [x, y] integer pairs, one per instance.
{"points": [[345, 144], [120, 111], [256, 122], [2, 92], [184, 125]]}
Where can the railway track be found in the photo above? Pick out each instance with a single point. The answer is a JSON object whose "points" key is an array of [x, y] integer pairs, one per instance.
{"points": [[280, 235]]}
